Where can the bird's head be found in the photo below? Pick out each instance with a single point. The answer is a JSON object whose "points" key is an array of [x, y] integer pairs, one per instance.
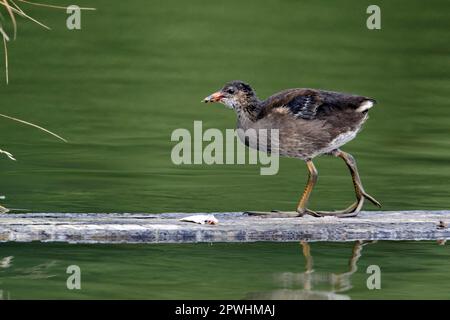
{"points": [[235, 95]]}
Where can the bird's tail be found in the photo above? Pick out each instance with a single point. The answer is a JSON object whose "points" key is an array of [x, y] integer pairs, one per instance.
{"points": [[366, 105]]}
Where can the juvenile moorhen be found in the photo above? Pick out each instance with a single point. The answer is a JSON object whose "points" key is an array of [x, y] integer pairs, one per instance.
{"points": [[310, 123]]}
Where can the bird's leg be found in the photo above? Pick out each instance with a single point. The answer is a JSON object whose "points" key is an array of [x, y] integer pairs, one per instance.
{"points": [[312, 179], [301, 208], [355, 208], [306, 249], [343, 280]]}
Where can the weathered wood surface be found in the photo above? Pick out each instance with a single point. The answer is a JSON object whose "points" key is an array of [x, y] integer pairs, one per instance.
{"points": [[232, 227]]}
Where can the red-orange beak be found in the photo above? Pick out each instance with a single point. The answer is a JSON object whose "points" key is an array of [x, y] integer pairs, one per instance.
{"points": [[215, 97]]}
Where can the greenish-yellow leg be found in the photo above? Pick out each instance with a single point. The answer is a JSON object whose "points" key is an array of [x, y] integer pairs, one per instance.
{"points": [[361, 195], [351, 211], [301, 208]]}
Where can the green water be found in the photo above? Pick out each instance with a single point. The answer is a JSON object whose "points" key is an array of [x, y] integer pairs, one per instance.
{"points": [[138, 69], [223, 271]]}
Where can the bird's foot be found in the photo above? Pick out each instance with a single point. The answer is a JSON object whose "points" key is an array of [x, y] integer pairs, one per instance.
{"points": [[274, 214], [351, 211], [370, 198], [313, 213]]}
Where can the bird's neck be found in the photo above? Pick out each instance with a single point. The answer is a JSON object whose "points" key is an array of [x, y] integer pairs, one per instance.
{"points": [[249, 111]]}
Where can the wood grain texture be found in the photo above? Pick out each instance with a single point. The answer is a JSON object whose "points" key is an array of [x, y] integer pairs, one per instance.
{"points": [[232, 227]]}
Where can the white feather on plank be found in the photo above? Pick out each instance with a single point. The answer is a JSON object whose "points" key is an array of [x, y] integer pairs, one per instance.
{"points": [[201, 219]]}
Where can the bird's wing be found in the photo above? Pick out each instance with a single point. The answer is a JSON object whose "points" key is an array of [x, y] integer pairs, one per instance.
{"points": [[304, 105], [311, 103], [301, 103]]}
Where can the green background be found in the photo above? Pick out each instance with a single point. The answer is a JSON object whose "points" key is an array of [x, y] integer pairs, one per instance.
{"points": [[138, 69]]}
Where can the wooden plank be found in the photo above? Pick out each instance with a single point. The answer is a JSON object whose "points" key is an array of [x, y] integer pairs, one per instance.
{"points": [[232, 227]]}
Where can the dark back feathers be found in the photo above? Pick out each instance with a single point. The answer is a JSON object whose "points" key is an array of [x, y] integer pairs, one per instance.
{"points": [[311, 103]]}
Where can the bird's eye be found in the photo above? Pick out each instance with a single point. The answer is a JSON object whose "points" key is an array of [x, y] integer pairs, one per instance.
{"points": [[230, 90]]}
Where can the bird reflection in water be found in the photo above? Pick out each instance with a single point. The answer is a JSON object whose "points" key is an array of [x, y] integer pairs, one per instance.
{"points": [[337, 282]]}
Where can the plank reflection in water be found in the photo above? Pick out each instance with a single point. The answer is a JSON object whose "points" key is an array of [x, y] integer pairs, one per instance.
{"points": [[337, 282]]}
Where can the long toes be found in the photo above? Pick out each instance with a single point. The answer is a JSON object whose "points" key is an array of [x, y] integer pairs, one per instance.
{"points": [[350, 209], [273, 214], [348, 215], [371, 199], [329, 213], [311, 213], [258, 213]]}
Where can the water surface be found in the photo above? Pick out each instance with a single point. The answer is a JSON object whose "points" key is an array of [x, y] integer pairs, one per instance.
{"points": [[138, 69], [226, 271]]}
